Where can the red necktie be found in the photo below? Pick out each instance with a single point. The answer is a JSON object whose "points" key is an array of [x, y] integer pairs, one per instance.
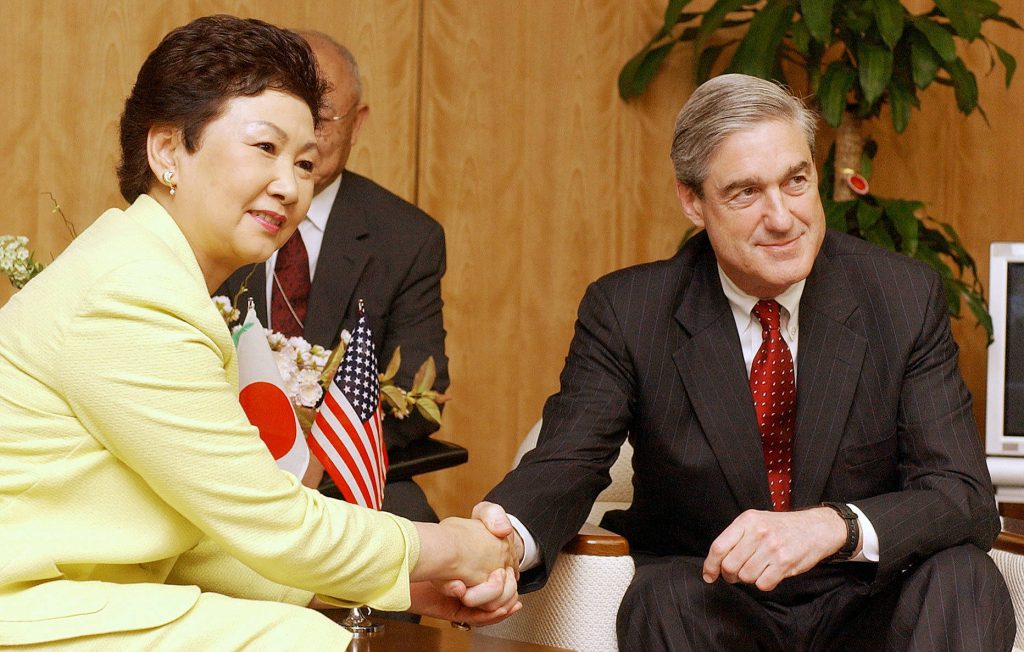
{"points": [[774, 392], [290, 290]]}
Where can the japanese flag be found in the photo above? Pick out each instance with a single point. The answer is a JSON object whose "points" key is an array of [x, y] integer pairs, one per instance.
{"points": [[264, 400]]}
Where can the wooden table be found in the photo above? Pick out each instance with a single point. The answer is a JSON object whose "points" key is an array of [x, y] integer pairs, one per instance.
{"points": [[400, 636]]}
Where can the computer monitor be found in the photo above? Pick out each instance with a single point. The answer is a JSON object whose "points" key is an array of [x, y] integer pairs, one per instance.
{"points": [[1004, 405]]}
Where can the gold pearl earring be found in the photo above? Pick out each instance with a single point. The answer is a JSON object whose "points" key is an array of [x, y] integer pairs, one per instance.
{"points": [[168, 180]]}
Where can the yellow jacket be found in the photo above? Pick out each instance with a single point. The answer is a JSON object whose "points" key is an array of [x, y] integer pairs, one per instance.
{"points": [[123, 446]]}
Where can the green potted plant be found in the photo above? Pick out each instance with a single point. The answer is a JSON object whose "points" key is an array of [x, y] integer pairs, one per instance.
{"points": [[854, 57]]}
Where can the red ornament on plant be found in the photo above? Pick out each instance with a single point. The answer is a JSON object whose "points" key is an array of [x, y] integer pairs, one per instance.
{"points": [[856, 181]]}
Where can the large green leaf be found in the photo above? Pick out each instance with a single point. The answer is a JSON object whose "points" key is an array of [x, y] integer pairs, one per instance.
{"points": [[817, 16], [900, 100], [639, 71], [938, 36], [924, 60], [801, 38], [965, 85], [889, 18], [707, 60], [672, 11], [835, 214], [901, 213], [712, 20], [835, 85], [875, 70], [756, 52], [984, 8], [1008, 62], [867, 216], [962, 17], [1006, 20]]}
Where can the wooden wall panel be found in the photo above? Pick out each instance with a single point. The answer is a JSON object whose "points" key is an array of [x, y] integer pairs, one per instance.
{"points": [[502, 120], [544, 180], [68, 65]]}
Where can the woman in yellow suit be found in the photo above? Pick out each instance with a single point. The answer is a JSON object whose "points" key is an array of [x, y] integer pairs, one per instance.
{"points": [[138, 507]]}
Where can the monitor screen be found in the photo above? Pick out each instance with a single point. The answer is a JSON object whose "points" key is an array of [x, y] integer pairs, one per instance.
{"points": [[1004, 405], [1013, 375]]}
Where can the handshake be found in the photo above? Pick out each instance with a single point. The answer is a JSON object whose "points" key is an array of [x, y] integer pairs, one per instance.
{"points": [[479, 561]]}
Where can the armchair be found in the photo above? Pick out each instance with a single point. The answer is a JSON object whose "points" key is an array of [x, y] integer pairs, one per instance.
{"points": [[577, 607]]}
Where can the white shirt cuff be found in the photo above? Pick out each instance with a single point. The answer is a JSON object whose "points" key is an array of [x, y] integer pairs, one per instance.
{"points": [[531, 554], [868, 537]]}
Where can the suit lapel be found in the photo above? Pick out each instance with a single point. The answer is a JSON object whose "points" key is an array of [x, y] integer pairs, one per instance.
{"points": [[829, 362], [714, 375], [343, 256]]}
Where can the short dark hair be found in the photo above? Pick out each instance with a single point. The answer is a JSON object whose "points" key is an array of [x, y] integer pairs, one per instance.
{"points": [[195, 70]]}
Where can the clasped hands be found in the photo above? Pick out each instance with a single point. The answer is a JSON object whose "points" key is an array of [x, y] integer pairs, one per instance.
{"points": [[485, 564], [763, 548]]}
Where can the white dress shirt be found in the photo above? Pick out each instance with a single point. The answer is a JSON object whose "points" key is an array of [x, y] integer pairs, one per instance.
{"points": [[312, 230], [749, 329]]}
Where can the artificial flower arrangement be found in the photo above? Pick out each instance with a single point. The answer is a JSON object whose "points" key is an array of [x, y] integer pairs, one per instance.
{"points": [[17, 262], [305, 369]]}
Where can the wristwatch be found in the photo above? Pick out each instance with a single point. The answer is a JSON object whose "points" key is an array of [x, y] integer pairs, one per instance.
{"points": [[852, 531]]}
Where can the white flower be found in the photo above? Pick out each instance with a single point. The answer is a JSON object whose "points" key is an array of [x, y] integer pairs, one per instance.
{"points": [[226, 310], [275, 339], [299, 345], [308, 390], [285, 365], [346, 337], [16, 260]]}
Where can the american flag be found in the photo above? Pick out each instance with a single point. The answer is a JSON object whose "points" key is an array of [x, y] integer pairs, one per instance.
{"points": [[346, 435]]}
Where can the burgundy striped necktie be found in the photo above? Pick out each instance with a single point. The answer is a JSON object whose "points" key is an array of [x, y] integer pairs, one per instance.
{"points": [[774, 392], [290, 290]]}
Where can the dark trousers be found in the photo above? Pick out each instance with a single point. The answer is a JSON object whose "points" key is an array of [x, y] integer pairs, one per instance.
{"points": [[954, 600]]}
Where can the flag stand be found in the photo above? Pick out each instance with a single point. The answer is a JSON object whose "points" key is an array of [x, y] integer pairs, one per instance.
{"points": [[357, 623]]}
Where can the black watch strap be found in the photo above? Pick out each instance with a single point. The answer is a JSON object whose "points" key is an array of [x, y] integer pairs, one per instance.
{"points": [[852, 531]]}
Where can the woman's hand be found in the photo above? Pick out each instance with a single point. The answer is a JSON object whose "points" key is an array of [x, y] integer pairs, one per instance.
{"points": [[484, 604], [467, 550]]}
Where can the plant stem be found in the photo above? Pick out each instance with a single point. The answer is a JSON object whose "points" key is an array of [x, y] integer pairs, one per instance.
{"points": [[849, 148]]}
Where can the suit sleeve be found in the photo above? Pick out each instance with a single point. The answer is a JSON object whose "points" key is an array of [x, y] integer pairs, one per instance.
{"points": [[946, 497], [584, 427], [144, 371], [415, 323]]}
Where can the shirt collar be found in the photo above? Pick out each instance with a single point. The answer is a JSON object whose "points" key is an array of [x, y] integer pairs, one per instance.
{"points": [[320, 207], [742, 303]]}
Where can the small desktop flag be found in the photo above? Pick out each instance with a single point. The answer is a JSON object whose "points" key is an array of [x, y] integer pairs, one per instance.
{"points": [[346, 436], [264, 400]]}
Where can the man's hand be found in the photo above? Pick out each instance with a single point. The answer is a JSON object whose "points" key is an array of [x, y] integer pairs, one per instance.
{"points": [[764, 548], [497, 523]]}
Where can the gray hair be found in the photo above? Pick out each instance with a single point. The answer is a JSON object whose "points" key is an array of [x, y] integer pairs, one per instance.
{"points": [[344, 52], [722, 106]]}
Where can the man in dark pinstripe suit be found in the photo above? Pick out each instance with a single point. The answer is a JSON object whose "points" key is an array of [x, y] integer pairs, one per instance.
{"points": [[879, 540]]}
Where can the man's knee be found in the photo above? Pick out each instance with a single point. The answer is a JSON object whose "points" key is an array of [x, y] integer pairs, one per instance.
{"points": [[668, 606], [960, 593]]}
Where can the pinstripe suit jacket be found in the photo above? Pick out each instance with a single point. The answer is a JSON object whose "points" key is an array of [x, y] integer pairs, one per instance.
{"points": [[883, 417]]}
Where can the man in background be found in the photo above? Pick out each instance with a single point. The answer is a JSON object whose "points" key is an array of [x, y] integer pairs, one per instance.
{"points": [[807, 470], [359, 241]]}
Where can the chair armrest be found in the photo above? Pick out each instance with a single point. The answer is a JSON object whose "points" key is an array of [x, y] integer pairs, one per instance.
{"points": [[1010, 542], [596, 541], [424, 456]]}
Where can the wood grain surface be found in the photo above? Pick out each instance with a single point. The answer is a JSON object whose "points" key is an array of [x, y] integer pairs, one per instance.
{"points": [[503, 121]]}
